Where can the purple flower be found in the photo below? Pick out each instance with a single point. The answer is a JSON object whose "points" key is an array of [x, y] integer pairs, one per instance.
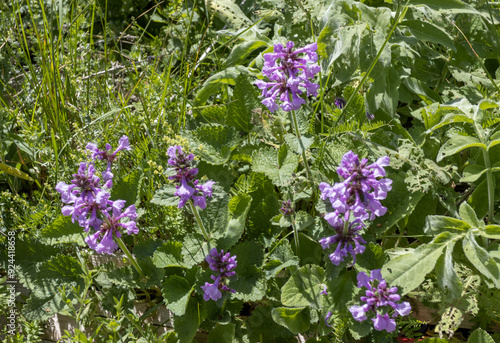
{"points": [[340, 102], [361, 191], [84, 184], [328, 315], [347, 239], [378, 298], [287, 71], [102, 240], [187, 187], [223, 265], [324, 291], [287, 209]]}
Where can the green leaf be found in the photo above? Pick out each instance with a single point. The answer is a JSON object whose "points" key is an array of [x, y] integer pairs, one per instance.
{"points": [[296, 320], [477, 199], [243, 50], [214, 143], [176, 291], [468, 215], [409, 271], [445, 6], [241, 205], [62, 230], [400, 211], [302, 288], [187, 325], [372, 258], [244, 101], [438, 224], [341, 289], [458, 143], [278, 165], [195, 249], [429, 32], [480, 336], [216, 215], [356, 110], [299, 145], [165, 196], [222, 333], [15, 172], [480, 259], [472, 173], [127, 188], [168, 255], [451, 118], [213, 83], [447, 277], [490, 231]]}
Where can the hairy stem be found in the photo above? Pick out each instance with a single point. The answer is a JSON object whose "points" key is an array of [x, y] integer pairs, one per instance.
{"points": [[131, 258], [198, 219]]}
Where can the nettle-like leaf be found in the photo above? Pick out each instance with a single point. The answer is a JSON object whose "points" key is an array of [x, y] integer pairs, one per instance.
{"points": [[62, 230], [250, 284], [165, 196], [239, 111], [480, 336], [214, 143], [177, 292], [302, 289], [127, 188], [278, 165], [222, 333], [239, 206], [168, 255], [187, 325], [195, 249], [296, 320]]}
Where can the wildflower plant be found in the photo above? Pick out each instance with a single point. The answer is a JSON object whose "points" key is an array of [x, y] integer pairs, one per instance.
{"points": [[223, 265]]}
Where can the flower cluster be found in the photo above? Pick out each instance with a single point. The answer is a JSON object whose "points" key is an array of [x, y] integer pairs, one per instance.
{"points": [[361, 191], [378, 297], [357, 196], [340, 102], [346, 235], [287, 71], [184, 176], [89, 203], [223, 264], [287, 209]]}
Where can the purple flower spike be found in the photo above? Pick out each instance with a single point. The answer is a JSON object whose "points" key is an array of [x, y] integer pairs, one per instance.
{"points": [[187, 187], [287, 209], [340, 102], [223, 265], [287, 71], [378, 298]]}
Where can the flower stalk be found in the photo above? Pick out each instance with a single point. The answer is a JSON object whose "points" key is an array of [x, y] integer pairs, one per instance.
{"points": [[130, 257]]}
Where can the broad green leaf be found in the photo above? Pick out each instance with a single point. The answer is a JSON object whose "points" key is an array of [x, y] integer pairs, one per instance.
{"points": [[438, 224], [458, 143], [222, 334], [42, 305], [409, 271], [176, 291], [214, 83], [477, 199], [445, 6], [15, 172], [490, 231], [278, 165], [429, 32], [187, 325], [261, 324], [480, 258], [494, 140], [195, 249], [299, 145], [424, 92], [302, 287], [229, 12], [239, 111], [236, 224], [452, 118], [372, 258], [480, 336], [127, 188], [296, 320], [216, 215], [214, 143], [467, 214], [168, 255], [243, 50], [472, 173], [341, 289], [165, 196], [62, 230], [310, 251], [250, 285], [447, 277], [400, 211], [359, 330]]}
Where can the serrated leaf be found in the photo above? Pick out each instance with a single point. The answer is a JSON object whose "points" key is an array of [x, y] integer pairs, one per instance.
{"points": [[250, 285], [214, 143], [400, 211], [222, 334], [187, 325], [480, 259], [239, 205], [239, 113], [429, 32], [299, 145], [195, 249], [165, 196], [438, 224], [458, 143], [296, 320], [341, 289], [409, 271], [278, 165], [127, 188], [168, 255], [302, 288], [62, 230], [176, 291], [480, 336], [216, 215]]}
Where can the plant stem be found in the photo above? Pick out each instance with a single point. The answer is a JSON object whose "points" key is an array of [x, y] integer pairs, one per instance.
{"points": [[297, 134], [295, 235], [131, 258], [198, 219], [491, 187]]}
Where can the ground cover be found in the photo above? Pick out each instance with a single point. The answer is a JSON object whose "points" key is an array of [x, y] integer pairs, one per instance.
{"points": [[268, 171]]}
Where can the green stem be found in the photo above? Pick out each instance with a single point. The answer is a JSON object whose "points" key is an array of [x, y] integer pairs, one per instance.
{"points": [[297, 134], [491, 187], [131, 258], [295, 235], [198, 219]]}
